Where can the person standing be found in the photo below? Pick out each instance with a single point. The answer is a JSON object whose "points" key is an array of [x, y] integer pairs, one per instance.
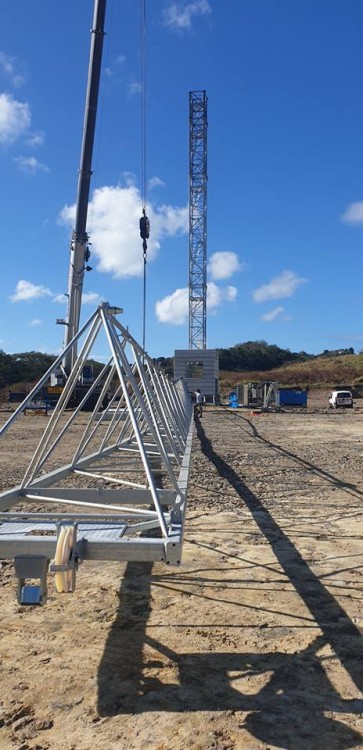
{"points": [[198, 402]]}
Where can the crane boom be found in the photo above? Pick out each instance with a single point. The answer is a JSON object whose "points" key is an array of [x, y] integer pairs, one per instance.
{"points": [[79, 250]]}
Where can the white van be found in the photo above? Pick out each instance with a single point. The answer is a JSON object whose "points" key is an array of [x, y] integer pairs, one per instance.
{"points": [[342, 399]]}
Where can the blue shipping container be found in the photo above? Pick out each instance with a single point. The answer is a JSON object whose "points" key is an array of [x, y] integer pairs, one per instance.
{"points": [[293, 397]]}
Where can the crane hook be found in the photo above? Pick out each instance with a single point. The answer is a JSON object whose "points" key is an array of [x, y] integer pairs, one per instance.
{"points": [[144, 229]]}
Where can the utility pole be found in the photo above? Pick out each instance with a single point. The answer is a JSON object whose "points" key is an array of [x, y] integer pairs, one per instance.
{"points": [[198, 219]]}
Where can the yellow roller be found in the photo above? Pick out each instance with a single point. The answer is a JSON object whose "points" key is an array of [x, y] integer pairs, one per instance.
{"points": [[63, 579]]}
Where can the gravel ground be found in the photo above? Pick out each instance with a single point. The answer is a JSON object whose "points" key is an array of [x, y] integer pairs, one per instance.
{"points": [[254, 642]]}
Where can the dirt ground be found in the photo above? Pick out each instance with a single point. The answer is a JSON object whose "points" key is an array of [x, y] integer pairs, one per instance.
{"points": [[254, 642]]}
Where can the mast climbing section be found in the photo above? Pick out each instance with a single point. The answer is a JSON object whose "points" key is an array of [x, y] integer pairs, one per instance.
{"points": [[101, 480], [198, 180]]}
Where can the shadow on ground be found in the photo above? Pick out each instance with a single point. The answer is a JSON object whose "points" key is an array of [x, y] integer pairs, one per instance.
{"points": [[289, 711]]}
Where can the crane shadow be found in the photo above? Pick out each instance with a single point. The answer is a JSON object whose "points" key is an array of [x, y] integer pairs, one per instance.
{"points": [[289, 709]]}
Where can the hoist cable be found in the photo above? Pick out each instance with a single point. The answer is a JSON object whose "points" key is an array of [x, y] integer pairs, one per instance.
{"points": [[143, 101], [144, 221], [144, 308]]}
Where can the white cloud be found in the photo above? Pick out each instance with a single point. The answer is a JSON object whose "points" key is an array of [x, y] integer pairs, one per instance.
{"points": [[273, 314], [231, 293], [155, 182], [135, 87], [283, 285], [62, 298], [36, 138], [14, 118], [179, 15], [88, 298], [115, 234], [222, 265], [216, 295], [119, 60], [26, 291], [91, 298], [30, 165], [353, 214], [9, 67], [130, 179], [174, 308], [170, 220], [35, 322]]}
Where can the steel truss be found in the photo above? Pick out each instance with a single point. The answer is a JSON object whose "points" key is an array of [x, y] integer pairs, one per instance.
{"points": [[125, 476], [197, 219]]}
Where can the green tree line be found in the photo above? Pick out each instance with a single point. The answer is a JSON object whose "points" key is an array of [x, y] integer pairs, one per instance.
{"points": [[257, 355], [28, 367]]}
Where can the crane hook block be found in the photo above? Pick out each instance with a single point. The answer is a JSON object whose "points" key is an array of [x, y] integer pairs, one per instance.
{"points": [[144, 228]]}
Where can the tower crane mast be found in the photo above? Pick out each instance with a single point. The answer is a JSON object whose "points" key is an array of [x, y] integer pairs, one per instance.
{"points": [[79, 250], [197, 219]]}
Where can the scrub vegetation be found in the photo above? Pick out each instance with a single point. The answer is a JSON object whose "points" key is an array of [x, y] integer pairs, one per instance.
{"points": [[250, 361]]}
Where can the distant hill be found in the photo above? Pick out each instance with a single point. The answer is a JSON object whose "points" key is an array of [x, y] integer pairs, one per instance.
{"points": [[258, 360], [319, 371], [245, 362]]}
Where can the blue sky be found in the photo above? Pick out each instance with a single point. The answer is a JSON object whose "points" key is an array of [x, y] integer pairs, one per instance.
{"points": [[285, 168]]}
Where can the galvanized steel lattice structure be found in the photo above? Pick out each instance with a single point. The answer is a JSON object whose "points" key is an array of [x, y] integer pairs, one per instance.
{"points": [[198, 219], [108, 476]]}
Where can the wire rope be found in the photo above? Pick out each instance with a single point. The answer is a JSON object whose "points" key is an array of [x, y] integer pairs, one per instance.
{"points": [[144, 221], [143, 101]]}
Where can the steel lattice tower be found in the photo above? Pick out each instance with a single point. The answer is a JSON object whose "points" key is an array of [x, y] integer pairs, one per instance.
{"points": [[198, 219]]}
